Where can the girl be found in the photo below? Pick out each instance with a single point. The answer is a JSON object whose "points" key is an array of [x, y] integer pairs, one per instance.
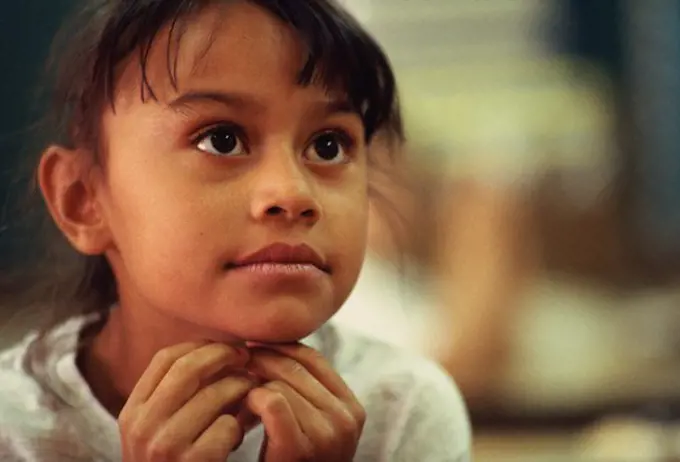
{"points": [[213, 170]]}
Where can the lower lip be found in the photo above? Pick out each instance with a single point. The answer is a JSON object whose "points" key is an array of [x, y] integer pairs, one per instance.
{"points": [[280, 270]]}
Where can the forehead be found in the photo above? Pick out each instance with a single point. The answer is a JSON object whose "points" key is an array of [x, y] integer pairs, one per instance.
{"points": [[234, 46]]}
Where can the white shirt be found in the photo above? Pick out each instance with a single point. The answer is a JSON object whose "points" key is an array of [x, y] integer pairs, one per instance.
{"points": [[48, 412]]}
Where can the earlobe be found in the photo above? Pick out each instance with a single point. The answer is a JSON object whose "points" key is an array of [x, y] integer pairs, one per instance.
{"points": [[65, 183]]}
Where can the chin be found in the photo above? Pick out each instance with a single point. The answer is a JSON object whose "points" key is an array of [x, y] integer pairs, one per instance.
{"points": [[276, 321], [282, 333]]}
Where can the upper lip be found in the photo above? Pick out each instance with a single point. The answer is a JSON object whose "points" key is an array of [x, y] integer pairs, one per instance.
{"points": [[283, 253]]}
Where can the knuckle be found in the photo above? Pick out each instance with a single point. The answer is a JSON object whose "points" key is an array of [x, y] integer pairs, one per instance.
{"points": [[165, 356], [326, 435], [240, 382], [303, 449], [290, 367], [229, 424], [274, 402], [307, 452], [161, 450], [311, 354], [274, 386], [136, 433], [346, 424], [225, 389], [209, 455], [183, 365], [161, 357], [219, 351], [210, 393], [229, 354], [125, 419], [359, 414]]}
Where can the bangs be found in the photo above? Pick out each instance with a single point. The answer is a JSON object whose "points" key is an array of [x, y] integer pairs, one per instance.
{"points": [[340, 56]]}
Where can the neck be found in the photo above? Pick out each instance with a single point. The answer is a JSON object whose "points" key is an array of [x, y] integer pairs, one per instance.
{"points": [[121, 351]]}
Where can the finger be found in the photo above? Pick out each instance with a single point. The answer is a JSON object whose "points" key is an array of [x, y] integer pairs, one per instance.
{"points": [[277, 367], [318, 366], [247, 419], [345, 409], [313, 423], [159, 366], [222, 438], [203, 409], [285, 439], [188, 375]]}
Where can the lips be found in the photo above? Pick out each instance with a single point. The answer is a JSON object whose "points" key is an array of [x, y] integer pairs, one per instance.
{"points": [[282, 254]]}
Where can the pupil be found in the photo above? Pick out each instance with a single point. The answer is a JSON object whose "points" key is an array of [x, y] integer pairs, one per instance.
{"points": [[327, 147], [223, 141]]}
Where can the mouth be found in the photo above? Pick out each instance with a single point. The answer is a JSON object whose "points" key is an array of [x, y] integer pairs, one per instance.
{"points": [[281, 257]]}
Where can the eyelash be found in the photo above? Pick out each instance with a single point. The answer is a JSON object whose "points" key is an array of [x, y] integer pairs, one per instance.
{"points": [[347, 141], [201, 134]]}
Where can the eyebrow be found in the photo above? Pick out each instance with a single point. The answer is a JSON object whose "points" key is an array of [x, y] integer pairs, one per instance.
{"points": [[245, 101]]}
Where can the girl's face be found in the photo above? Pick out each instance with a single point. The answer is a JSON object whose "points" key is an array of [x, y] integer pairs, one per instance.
{"points": [[239, 157]]}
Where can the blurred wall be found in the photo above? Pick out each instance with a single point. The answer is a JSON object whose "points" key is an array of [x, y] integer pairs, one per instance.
{"points": [[26, 30]]}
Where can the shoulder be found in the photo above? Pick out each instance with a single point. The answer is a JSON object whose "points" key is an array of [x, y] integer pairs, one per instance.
{"points": [[22, 402], [32, 425], [411, 401], [20, 392]]}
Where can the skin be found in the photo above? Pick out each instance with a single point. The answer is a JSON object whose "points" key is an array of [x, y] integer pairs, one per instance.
{"points": [[169, 214], [307, 410]]}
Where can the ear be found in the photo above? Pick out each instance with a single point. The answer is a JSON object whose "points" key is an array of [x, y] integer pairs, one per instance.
{"points": [[67, 185]]}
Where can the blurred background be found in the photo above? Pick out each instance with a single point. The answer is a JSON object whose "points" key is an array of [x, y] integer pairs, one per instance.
{"points": [[539, 261]]}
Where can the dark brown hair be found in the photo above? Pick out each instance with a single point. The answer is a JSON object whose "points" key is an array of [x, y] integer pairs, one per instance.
{"points": [[86, 55]]}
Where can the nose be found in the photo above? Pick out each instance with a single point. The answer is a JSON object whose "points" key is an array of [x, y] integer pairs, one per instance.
{"points": [[284, 193]]}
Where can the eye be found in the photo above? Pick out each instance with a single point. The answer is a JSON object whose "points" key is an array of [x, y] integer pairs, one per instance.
{"points": [[329, 148], [221, 140]]}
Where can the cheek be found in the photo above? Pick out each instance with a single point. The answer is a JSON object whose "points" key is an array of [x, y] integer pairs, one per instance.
{"points": [[159, 218], [347, 220], [347, 209]]}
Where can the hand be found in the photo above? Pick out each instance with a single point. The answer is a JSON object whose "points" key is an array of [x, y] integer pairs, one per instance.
{"points": [[178, 409], [308, 412]]}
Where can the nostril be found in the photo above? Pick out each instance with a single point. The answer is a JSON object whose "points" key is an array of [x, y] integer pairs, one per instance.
{"points": [[275, 210], [278, 211]]}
